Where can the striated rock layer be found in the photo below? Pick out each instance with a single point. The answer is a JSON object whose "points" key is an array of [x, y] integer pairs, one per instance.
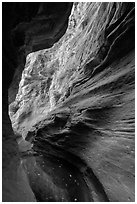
{"points": [[75, 104], [23, 25]]}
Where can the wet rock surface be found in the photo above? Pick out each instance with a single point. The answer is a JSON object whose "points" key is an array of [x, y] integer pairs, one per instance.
{"points": [[75, 104], [53, 179]]}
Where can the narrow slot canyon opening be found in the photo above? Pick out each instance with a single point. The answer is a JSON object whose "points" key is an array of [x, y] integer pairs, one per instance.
{"points": [[68, 102]]}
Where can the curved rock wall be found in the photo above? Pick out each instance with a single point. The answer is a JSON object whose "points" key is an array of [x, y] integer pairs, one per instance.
{"points": [[34, 27], [76, 100], [17, 19]]}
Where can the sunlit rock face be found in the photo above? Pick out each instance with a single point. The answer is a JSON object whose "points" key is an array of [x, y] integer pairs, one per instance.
{"points": [[76, 99], [25, 28], [33, 27]]}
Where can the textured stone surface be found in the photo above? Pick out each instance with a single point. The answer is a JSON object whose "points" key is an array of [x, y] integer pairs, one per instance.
{"points": [[50, 75], [18, 20], [34, 27], [75, 103]]}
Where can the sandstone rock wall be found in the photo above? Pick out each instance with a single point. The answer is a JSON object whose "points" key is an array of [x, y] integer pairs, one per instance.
{"points": [[17, 19], [76, 99]]}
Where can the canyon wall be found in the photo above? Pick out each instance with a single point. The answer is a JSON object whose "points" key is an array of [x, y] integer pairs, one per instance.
{"points": [[23, 24], [75, 100]]}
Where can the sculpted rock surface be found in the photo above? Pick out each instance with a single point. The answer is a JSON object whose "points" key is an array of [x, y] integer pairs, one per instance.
{"points": [[33, 27], [19, 19], [75, 103]]}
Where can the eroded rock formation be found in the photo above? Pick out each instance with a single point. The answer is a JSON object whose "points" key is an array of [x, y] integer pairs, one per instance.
{"points": [[18, 19], [75, 102]]}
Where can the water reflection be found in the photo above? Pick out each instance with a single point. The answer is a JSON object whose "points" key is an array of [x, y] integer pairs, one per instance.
{"points": [[53, 179]]}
